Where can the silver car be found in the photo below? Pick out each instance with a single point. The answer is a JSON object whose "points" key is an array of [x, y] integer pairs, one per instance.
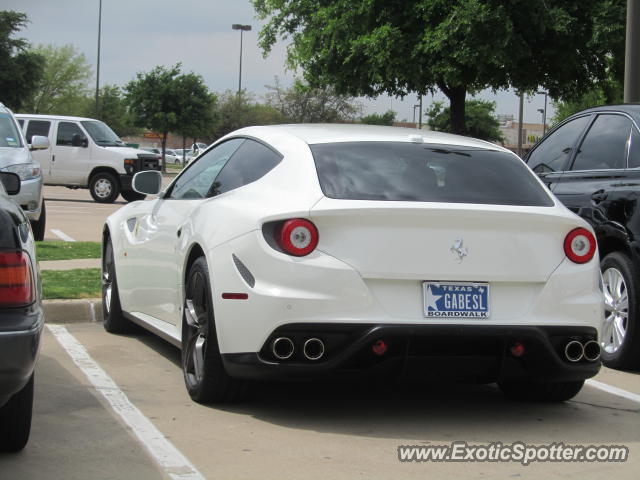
{"points": [[15, 157]]}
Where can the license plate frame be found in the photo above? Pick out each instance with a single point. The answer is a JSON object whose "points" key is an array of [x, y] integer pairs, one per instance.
{"points": [[456, 300]]}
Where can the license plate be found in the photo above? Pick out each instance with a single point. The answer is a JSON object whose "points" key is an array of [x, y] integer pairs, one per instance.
{"points": [[456, 299]]}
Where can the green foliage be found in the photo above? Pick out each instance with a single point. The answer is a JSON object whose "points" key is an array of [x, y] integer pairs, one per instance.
{"points": [[197, 112], [302, 103], [367, 47], [479, 119], [64, 85], [237, 111], [58, 250], [77, 283], [20, 69], [113, 111], [386, 118]]}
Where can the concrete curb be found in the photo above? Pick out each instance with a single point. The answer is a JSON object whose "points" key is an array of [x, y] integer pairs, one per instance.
{"points": [[73, 311]]}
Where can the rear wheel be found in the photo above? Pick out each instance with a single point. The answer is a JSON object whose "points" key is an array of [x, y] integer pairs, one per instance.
{"points": [[39, 226], [132, 196], [113, 319], [204, 374], [15, 419], [620, 331], [104, 187], [541, 391]]}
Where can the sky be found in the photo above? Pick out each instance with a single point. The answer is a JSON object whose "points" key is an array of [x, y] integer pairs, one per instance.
{"points": [[138, 35]]}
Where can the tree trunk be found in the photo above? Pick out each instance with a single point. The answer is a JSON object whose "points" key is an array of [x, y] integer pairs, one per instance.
{"points": [[164, 151], [184, 147], [457, 96]]}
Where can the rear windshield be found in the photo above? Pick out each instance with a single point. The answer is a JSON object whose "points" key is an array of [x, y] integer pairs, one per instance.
{"points": [[400, 171]]}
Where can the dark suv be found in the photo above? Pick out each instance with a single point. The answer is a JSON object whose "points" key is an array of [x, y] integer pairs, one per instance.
{"points": [[591, 162]]}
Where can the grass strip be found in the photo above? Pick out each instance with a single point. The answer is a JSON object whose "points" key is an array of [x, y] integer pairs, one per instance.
{"points": [[77, 283], [59, 250]]}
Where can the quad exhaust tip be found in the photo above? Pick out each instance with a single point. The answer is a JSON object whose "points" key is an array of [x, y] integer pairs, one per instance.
{"points": [[313, 349], [591, 351], [574, 351], [282, 348]]}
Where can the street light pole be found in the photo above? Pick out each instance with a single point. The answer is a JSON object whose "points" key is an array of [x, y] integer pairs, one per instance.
{"points": [[242, 28], [544, 115], [631, 61], [98, 60]]}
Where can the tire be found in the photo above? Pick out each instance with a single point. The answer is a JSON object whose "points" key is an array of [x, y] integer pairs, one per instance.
{"points": [[132, 196], [541, 391], [39, 226], [620, 340], [15, 419], [104, 187], [204, 374], [113, 319]]}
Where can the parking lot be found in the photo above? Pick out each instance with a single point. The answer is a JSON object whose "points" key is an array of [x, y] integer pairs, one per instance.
{"points": [[84, 426]]}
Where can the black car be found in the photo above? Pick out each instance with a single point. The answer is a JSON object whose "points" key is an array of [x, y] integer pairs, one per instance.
{"points": [[591, 162], [21, 318]]}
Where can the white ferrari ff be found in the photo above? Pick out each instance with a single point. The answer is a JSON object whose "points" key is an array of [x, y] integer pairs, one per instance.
{"points": [[301, 251]]}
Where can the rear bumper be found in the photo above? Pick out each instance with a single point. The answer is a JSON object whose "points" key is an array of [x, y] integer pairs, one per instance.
{"points": [[469, 353], [19, 346]]}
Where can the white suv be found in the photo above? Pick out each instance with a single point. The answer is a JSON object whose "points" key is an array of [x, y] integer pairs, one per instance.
{"points": [[15, 157], [86, 153]]}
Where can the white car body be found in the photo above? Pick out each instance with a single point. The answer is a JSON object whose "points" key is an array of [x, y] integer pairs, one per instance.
{"points": [[371, 260]]}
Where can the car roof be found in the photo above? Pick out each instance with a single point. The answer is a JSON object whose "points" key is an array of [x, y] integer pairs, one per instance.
{"points": [[631, 109], [38, 116], [333, 133]]}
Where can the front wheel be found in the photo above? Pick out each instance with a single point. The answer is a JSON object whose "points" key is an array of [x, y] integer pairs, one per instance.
{"points": [[114, 320], [15, 419], [204, 374], [620, 331], [39, 226], [104, 187], [132, 196], [541, 391]]}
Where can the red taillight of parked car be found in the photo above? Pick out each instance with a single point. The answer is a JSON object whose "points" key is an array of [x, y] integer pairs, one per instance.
{"points": [[297, 237], [580, 245], [16, 280]]}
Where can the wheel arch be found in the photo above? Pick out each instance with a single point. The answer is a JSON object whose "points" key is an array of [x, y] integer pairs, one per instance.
{"points": [[196, 251], [611, 244], [110, 170]]}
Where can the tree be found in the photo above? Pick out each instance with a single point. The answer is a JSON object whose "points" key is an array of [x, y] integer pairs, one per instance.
{"points": [[362, 47], [237, 111], [197, 113], [113, 111], [64, 84], [302, 103], [20, 69], [386, 118], [479, 119]]}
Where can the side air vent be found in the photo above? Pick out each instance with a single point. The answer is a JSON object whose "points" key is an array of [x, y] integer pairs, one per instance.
{"points": [[244, 271]]}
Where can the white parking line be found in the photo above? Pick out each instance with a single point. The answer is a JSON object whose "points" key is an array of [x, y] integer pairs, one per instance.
{"points": [[62, 235], [170, 459], [634, 397]]}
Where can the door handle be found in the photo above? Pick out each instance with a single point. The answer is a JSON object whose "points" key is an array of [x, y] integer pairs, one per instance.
{"points": [[599, 196], [53, 158], [179, 232]]}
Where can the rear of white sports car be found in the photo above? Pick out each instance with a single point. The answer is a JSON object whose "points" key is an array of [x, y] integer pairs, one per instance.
{"points": [[447, 261]]}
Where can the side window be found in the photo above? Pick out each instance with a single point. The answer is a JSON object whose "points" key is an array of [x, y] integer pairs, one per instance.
{"points": [[605, 146], [70, 135], [250, 162], [197, 180], [554, 151], [634, 149], [37, 127]]}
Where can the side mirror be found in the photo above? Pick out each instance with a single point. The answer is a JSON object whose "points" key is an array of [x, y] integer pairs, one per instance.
{"points": [[11, 182], [39, 142], [79, 141], [148, 182]]}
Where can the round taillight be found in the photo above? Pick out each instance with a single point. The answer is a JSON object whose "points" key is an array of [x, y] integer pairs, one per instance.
{"points": [[580, 245], [298, 237]]}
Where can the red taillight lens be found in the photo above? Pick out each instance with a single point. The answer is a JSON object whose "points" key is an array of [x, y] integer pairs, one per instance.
{"points": [[297, 237], [580, 245], [16, 281]]}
